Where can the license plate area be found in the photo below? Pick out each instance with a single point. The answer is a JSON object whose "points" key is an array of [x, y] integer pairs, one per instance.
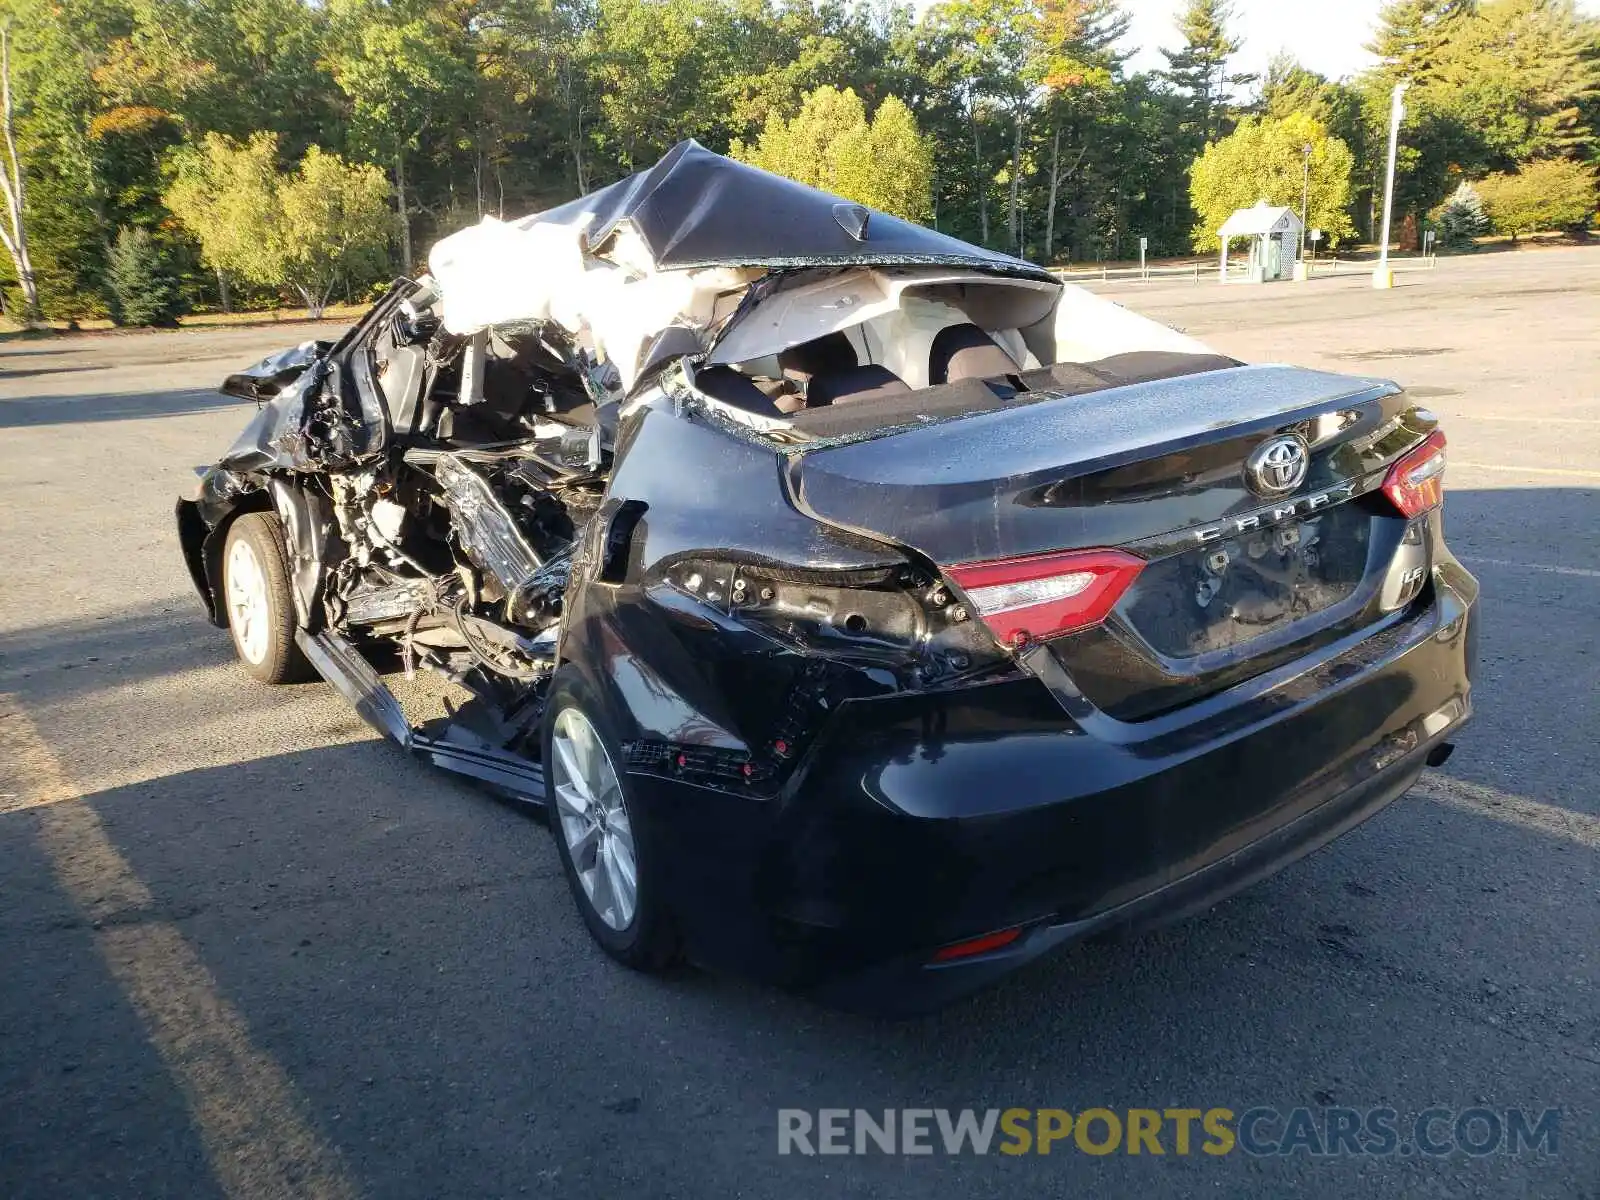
{"points": [[1223, 594]]}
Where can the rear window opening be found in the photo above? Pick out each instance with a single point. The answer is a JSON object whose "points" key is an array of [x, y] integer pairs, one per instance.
{"points": [[845, 353]]}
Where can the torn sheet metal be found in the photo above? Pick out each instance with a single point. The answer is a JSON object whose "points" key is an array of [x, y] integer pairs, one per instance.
{"points": [[699, 209]]}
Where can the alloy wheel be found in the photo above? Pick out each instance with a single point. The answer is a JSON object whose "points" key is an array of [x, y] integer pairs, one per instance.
{"points": [[594, 818], [249, 612]]}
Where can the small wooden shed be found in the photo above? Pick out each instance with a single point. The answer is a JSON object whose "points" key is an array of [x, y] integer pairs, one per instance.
{"points": [[1275, 235]]}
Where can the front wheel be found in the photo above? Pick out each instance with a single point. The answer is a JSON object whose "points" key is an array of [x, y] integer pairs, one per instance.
{"points": [[604, 844], [255, 588]]}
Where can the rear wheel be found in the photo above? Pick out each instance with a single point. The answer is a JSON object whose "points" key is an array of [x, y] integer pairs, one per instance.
{"points": [[255, 589], [604, 845]]}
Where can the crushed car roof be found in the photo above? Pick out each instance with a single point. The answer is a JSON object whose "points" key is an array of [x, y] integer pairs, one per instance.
{"points": [[695, 208], [679, 244]]}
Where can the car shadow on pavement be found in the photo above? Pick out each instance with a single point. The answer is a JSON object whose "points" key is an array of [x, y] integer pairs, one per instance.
{"points": [[11, 372], [32, 411], [405, 949]]}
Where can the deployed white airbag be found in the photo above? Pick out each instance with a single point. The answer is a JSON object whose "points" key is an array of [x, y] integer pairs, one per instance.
{"points": [[495, 273]]}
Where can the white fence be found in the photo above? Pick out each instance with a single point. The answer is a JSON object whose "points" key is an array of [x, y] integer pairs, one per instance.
{"points": [[1205, 271]]}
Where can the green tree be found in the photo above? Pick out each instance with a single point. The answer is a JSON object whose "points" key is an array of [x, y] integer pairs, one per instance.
{"points": [[54, 48], [1411, 34], [786, 51], [978, 68], [1199, 69], [538, 57], [1516, 73], [1266, 160], [805, 148], [226, 196], [656, 63], [1076, 65], [229, 66], [1290, 88], [307, 230], [1492, 85], [888, 165], [145, 287], [509, 106], [1125, 185], [1462, 219], [1557, 194], [404, 76], [885, 164], [331, 226], [14, 186]]}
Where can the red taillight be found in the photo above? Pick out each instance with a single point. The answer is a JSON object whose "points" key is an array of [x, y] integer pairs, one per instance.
{"points": [[978, 945], [1046, 595], [1416, 483]]}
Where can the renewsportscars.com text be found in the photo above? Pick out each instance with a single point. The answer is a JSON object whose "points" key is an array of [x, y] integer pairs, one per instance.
{"points": [[1260, 1131]]}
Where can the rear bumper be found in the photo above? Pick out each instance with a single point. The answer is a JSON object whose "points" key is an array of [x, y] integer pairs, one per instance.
{"points": [[912, 984], [921, 821]]}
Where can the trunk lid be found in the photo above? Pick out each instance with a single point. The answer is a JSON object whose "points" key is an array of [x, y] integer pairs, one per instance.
{"points": [[1236, 579]]}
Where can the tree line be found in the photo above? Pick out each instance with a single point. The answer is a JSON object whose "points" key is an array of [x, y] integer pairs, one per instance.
{"points": [[170, 154]]}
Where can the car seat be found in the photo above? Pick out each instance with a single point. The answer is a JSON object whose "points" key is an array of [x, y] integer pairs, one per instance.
{"points": [[966, 352], [729, 386], [856, 383]]}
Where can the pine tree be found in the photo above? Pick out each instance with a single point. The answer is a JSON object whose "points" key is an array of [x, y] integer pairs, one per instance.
{"points": [[1411, 33], [1462, 218], [1291, 88], [1200, 69], [144, 288]]}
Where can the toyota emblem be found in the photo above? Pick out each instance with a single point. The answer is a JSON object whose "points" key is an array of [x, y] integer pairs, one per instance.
{"points": [[1277, 466]]}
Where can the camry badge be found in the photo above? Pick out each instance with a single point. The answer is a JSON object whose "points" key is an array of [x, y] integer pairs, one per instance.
{"points": [[1277, 466]]}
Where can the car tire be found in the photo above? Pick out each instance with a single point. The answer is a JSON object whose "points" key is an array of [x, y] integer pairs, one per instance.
{"points": [[599, 828], [258, 602]]}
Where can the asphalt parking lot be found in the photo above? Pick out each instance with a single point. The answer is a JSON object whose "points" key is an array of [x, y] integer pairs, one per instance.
{"points": [[247, 949]]}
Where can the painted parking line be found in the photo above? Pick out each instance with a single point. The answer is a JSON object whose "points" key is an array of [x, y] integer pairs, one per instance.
{"points": [[251, 1119], [1575, 572], [1521, 811], [1571, 472]]}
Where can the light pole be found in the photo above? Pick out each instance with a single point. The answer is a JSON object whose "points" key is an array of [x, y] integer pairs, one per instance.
{"points": [[1305, 197], [1383, 277]]}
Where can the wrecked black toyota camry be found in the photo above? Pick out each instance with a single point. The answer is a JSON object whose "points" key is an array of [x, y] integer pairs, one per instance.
{"points": [[872, 611]]}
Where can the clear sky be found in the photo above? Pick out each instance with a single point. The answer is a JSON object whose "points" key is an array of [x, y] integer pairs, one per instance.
{"points": [[1325, 35]]}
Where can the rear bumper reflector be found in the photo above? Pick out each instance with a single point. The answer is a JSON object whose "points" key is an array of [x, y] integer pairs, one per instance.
{"points": [[978, 945]]}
